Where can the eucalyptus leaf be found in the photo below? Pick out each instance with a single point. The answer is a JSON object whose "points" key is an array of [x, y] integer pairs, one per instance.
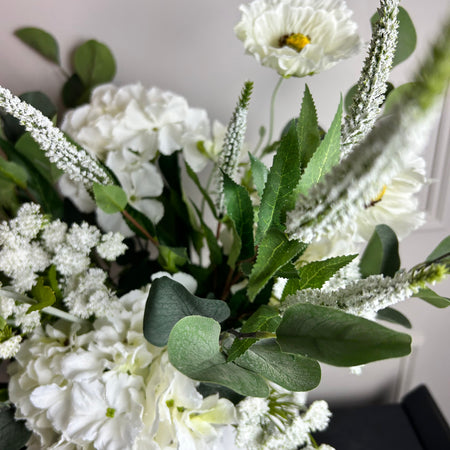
{"points": [[259, 174], [307, 129], [392, 315], [274, 252], [13, 172], [110, 198], [281, 181], [338, 338], [381, 254], [443, 249], [293, 372], [41, 41], [325, 157], [433, 298], [194, 350], [240, 210], [265, 318], [13, 434], [94, 63], [168, 302]]}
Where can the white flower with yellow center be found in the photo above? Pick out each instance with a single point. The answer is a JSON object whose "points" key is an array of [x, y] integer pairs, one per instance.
{"points": [[298, 37]]}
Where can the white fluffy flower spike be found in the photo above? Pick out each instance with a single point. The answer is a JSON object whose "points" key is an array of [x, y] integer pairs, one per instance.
{"points": [[298, 37]]}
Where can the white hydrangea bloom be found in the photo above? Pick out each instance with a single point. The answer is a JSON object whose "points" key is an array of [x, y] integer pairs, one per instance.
{"points": [[54, 234], [317, 416], [10, 347], [111, 246], [108, 388], [298, 37]]}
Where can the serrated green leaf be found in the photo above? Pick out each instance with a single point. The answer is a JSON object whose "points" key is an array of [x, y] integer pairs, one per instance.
{"points": [[433, 298], [287, 271], [110, 198], [235, 250], [94, 63], [41, 41], [407, 37], [338, 338], [441, 250], [381, 254], [44, 296], [171, 258], [28, 147], [325, 157], [293, 372], [194, 350], [240, 210], [13, 172], [281, 181], [274, 252], [307, 129], [265, 318], [259, 174], [168, 302], [13, 434], [193, 176], [392, 315]]}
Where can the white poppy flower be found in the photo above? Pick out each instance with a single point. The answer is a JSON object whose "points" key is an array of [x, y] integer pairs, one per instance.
{"points": [[298, 37]]}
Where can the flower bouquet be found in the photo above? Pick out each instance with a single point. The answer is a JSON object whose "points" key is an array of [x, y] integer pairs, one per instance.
{"points": [[163, 284]]}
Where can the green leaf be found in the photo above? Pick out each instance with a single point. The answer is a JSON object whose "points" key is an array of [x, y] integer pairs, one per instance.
{"points": [[281, 181], [235, 250], [74, 92], [265, 318], [171, 258], [44, 296], [141, 219], [94, 63], [307, 129], [194, 350], [110, 198], [325, 157], [8, 196], [381, 254], [215, 252], [168, 302], [287, 271], [397, 95], [13, 434], [407, 37], [240, 210], [392, 315], [348, 101], [433, 298], [274, 252], [3, 323], [293, 372], [193, 176], [41, 41], [28, 147], [12, 171], [338, 338], [259, 174], [443, 249], [12, 127]]}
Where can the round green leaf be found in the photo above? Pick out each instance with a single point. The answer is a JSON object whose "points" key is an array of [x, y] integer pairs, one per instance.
{"points": [[110, 198], [41, 41], [94, 63]]}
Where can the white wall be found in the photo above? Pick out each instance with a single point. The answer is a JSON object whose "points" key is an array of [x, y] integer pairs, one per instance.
{"points": [[189, 47]]}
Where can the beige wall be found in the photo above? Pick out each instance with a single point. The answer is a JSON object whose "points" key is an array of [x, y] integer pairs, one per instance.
{"points": [[189, 47]]}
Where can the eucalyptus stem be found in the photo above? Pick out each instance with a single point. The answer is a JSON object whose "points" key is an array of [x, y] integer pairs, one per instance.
{"points": [[62, 314], [272, 110]]}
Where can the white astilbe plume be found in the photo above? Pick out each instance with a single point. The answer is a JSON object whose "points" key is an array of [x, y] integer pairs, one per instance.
{"points": [[371, 87], [349, 187], [234, 138], [365, 297], [74, 161]]}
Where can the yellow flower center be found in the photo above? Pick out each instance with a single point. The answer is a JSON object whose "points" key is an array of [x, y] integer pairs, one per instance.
{"points": [[297, 41], [378, 198]]}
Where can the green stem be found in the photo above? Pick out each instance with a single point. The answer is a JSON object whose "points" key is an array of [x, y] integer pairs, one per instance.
{"points": [[272, 110]]}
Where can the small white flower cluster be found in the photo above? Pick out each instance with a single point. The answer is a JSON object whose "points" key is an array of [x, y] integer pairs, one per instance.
{"points": [[279, 422], [372, 85], [30, 244], [107, 388], [78, 164], [126, 128], [322, 34]]}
